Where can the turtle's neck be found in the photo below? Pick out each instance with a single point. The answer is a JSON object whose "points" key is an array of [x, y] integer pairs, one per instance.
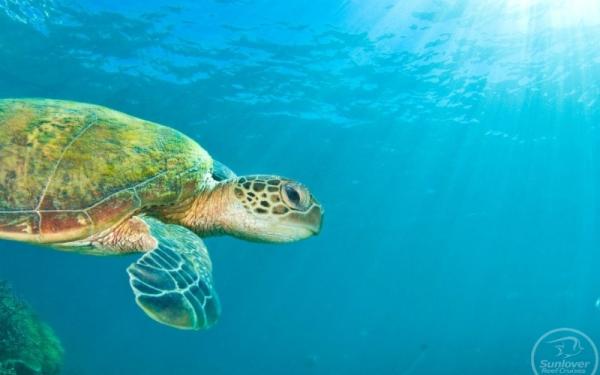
{"points": [[204, 213]]}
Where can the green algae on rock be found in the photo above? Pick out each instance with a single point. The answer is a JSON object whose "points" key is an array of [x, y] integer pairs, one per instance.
{"points": [[27, 345]]}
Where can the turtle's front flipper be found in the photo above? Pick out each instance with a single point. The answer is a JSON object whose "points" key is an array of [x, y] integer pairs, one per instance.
{"points": [[173, 283]]}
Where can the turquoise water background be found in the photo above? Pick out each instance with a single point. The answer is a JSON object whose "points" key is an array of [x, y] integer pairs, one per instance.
{"points": [[453, 144]]}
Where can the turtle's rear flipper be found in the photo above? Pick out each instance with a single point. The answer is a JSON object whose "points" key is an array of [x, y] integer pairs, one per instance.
{"points": [[173, 283]]}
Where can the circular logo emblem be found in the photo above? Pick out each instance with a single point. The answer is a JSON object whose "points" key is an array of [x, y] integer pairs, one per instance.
{"points": [[564, 351]]}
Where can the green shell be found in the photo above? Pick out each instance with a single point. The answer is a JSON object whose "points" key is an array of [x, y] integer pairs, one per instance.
{"points": [[70, 170]]}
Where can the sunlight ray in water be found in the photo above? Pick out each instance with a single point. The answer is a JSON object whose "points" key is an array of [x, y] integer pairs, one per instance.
{"points": [[560, 13]]}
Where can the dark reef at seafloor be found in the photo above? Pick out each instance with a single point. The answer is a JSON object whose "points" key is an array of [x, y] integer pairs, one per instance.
{"points": [[27, 344]]}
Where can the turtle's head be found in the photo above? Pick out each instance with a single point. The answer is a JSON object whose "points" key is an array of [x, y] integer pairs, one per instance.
{"points": [[269, 209]]}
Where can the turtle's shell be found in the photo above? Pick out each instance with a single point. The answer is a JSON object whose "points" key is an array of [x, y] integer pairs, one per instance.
{"points": [[70, 170]]}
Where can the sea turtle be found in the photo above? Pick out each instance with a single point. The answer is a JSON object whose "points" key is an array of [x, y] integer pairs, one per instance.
{"points": [[85, 178]]}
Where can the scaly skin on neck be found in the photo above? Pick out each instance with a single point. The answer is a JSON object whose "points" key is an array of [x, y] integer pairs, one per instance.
{"points": [[203, 213]]}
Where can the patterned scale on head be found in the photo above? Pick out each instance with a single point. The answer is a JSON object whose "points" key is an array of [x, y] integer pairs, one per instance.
{"points": [[277, 209], [271, 195]]}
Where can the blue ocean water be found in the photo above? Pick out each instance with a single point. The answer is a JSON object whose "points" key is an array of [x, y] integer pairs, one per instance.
{"points": [[453, 144]]}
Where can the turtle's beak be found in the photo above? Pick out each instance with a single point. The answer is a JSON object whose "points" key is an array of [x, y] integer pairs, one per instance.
{"points": [[315, 219], [301, 225]]}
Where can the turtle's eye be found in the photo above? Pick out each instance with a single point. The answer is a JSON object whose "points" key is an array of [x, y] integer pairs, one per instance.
{"points": [[296, 196]]}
